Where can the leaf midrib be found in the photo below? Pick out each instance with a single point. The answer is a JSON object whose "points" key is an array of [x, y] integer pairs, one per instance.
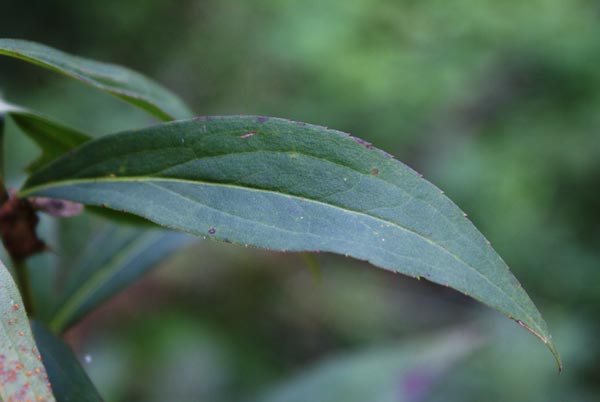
{"points": [[198, 157], [90, 167], [34, 189]]}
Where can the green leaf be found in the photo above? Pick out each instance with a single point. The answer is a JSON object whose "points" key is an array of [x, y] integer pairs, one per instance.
{"points": [[22, 374], [396, 373], [52, 137], [290, 186], [69, 381], [54, 140], [122, 82], [117, 257]]}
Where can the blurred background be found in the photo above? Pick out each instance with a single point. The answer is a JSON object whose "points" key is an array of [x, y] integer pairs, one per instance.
{"points": [[497, 103]]}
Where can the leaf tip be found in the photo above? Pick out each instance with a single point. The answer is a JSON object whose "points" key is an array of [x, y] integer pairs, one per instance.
{"points": [[547, 341]]}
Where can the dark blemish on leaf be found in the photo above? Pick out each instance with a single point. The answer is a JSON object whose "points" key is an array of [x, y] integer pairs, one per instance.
{"points": [[212, 231], [300, 123], [262, 119], [375, 172], [368, 145], [362, 142], [248, 134]]}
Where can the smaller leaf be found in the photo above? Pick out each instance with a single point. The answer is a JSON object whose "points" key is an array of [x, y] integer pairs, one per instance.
{"points": [[122, 82], [114, 260], [69, 380], [52, 137], [406, 373], [22, 374]]}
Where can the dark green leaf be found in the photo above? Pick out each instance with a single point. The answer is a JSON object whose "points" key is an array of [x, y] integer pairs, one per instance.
{"points": [[53, 138], [119, 81], [22, 374], [289, 186], [117, 257], [400, 373], [69, 381]]}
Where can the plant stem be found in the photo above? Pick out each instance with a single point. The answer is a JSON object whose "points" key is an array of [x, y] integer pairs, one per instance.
{"points": [[22, 276], [20, 267]]}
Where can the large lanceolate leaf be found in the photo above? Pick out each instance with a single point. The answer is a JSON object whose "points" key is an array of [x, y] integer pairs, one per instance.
{"points": [[52, 137], [69, 380], [119, 81], [290, 186], [112, 261], [22, 374]]}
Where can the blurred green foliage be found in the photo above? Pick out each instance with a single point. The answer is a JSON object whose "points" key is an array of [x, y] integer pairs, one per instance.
{"points": [[495, 102]]}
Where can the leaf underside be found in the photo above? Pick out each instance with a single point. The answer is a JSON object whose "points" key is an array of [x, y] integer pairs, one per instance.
{"points": [[122, 82], [290, 186], [22, 374]]}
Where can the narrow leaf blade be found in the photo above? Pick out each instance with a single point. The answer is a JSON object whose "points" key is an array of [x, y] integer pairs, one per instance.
{"points": [[53, 138], [122, 82], [290, 186], [69, 380], [116, 258], [22, 374]]}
